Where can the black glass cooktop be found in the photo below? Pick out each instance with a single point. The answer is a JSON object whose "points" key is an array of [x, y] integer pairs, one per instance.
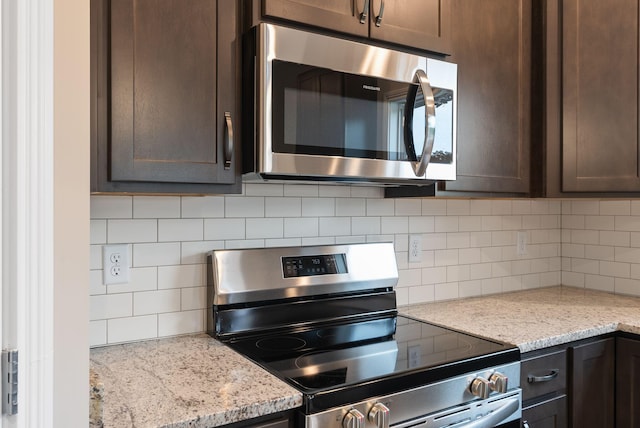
{"points": [[394, 350]]}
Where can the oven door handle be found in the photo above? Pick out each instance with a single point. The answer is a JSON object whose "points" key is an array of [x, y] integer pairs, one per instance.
{"points": [[495, 417], [420, 167]]}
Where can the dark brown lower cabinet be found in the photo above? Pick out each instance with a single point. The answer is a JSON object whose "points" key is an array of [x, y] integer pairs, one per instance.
{"points": [[550, 413], [627, 383], [592, 386]]}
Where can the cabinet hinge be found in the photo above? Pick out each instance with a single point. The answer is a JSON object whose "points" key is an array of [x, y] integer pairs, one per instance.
{"points": [[10, 382]]}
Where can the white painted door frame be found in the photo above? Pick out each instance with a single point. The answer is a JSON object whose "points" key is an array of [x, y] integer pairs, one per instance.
{"points": [[27, 204]]}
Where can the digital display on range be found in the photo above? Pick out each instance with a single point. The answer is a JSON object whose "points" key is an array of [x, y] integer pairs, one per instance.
{"points": [[314, 265]]}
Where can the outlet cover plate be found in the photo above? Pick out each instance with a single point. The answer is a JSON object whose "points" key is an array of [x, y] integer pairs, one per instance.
{"points": [[115, 264]]}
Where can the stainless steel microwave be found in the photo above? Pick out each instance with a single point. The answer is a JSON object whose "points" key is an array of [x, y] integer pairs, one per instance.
{"points": [[320, 108]]}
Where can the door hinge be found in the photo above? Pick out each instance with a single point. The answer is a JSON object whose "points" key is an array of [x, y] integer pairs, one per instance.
{"points": [[10, 382]]}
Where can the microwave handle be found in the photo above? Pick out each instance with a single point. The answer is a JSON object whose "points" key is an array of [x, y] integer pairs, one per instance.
{"points": [[419, 168]]}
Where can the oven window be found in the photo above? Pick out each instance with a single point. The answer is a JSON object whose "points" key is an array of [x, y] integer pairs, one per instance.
{"points": [[317, 111]]}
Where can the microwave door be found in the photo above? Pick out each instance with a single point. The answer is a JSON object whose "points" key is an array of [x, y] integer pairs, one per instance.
{"points": [[425, 102]]}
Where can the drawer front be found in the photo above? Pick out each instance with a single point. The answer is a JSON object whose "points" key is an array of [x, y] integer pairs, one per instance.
{"points": [[543, 374]]}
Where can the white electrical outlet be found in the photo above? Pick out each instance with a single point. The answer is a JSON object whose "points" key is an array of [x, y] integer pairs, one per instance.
{"points": [[115, 264], [521, 243], [415, 248]]}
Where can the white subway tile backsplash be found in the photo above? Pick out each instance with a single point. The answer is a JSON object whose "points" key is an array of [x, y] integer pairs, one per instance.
{"points": [[110, 306], [244, 206], [97, 333], [111, 206], [318, 207], [619, 239], [98, 232], [389, 225], [159, 254], [283, 207], [424, 224], [224, 229], [182, 276], [245, 243], [301, 190], [434, 207], [263, 189], [196, 252], [202, 206], [263, 228], [193, 298], [284, 242], [627, 286], [180, 230], [156, 302], [132, 231], [590, 237], [408, 207], [367, 192], [446, 224], [95, 257], [352, 207], [365, 225], [380, 207], [328, 191], [335, 226], [132, 329], [585, 207], [615, 269], [301, 227], [185, 322], [600, 283], [96, 287], [140, 279], [458, 207], [599, 222], [468, 245], [627, 223], [156, 207]]}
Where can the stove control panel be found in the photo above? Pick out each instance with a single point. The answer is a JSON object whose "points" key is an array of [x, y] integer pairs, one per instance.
{"points": [[298, 266]]}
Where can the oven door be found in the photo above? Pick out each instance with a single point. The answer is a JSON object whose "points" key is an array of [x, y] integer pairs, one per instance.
{"points": [[332, 108]]}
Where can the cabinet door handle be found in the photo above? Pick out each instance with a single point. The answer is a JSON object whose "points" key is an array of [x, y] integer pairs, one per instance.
{"points": [[420, 167], [525, 424], [380, 13], [365, 11], [228, 140], [544, 378]]}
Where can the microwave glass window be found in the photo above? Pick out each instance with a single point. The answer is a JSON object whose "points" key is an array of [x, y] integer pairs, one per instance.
{"points": [[318, 111]]}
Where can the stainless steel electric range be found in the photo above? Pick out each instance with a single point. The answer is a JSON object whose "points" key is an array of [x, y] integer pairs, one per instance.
{"points": [[324, 319]]}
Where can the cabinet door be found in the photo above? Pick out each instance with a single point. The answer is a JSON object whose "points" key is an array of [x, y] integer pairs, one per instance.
{"points": [[546, 414], [627, 383], [345, 16], [423, 24], [492, 47], [600, 146], [166, 87], [592, 384]]}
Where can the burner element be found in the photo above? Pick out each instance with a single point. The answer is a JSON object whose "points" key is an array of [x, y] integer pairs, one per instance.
{"points": [[281, 343]]}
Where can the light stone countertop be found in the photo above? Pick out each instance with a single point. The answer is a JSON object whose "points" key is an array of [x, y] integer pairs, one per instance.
{"points": [[195, 381], [535, 319], [189, 381]]}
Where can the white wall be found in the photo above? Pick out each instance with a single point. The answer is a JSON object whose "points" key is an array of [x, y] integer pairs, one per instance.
{"points": [[71, 212], [469, 246]]}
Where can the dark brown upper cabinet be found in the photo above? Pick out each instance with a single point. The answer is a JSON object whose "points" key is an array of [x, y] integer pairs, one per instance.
{"points": [[592, 72], [165, 90], [421, 24], [491, 43]]}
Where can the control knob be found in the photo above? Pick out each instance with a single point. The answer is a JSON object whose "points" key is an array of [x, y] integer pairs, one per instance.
{"points": [[480, 387], [498, 382], [353, 419], [379, 415]]}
